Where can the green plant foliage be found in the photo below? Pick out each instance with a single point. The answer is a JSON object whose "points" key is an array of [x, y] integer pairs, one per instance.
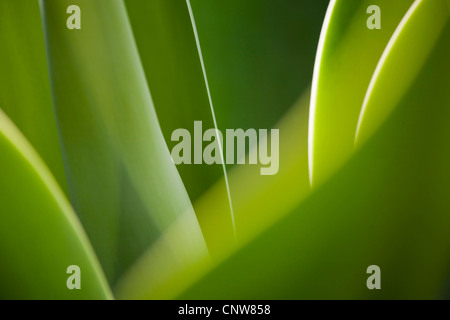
{"points": [[40, 235], [398, 221], [258, 203], [257, 200], [347, 57], [398, 68], [363, 175], [170, 57], [259, 56], [360, 222], [260, 200], [24, 85], [257, 69], [120, 174], [168, 267]]}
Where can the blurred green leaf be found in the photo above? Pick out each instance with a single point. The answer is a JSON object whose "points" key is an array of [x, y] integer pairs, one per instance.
{"points": [[168, 267], [353, 221], [40, 235], [346, 59], [120, 174], [258, 203], [261, 200], [257, 69], [167, 47], [24, 85], [384, 203], [259, 56], [398, 68], [227, 31], [387, 206]]}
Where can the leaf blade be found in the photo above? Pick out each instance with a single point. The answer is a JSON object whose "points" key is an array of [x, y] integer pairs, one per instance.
{"points": [[348, 49], [37, 225], [24, 84], [425, 31], [173, 65], [121, 177]]}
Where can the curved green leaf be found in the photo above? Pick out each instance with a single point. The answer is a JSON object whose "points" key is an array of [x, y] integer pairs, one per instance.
{"points": [[167, 46], [346, 59], [40, 235], [257, 68], [249, 73], [387, 206], [397, 69], [170, 265], [120, 174], [259, 202], [24, 84], [253, 82]]}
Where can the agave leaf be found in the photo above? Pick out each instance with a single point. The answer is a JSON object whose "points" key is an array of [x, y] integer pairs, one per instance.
{"points": [[388, 206], [418, 33], [259, 57], [168, 49], [24, 84], [355, 219], [243, 78], [240, 77], [261, 200], [346, 59], [170, 265], [241, 70], [258, 202], [254, 80], [40, 235], [120, 174]]}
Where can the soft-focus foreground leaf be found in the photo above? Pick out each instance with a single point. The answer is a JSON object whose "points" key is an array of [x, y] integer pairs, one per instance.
{"points": [[24, 85], [398, 67], [120, 174], [258, 202], [388, 206], [170, 57], [40, 235], [168, 267], [347, 56]]}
